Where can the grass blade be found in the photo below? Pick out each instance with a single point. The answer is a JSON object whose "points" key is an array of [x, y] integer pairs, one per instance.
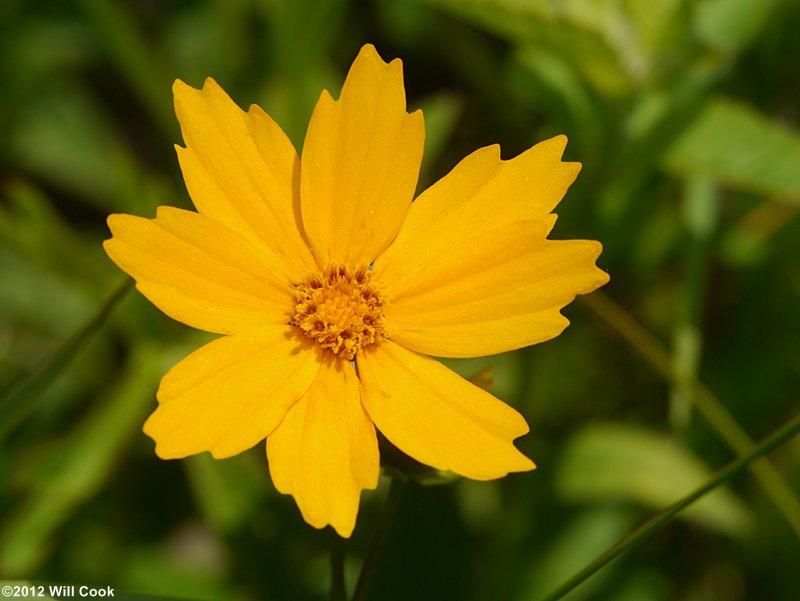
{"points": [[665, 516], [22, 399], [715, 413]]}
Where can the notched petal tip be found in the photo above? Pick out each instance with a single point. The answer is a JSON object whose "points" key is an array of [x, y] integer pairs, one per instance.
{"points": [[162, 450], [165, 212], [596, 250], [518, 463], [601, 277], [179, 86], [114, 219], [522, 463], [369, 49], [164, 454], [109, 246], [368, 69], [343, 524], [118, 223], [325, 101], [559, 141], [555, 147], [368, 53], [492, 149], [188, 99], [559, 144]]}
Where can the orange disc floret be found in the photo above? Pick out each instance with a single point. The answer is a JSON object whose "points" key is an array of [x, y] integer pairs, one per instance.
{"points": [[340, 308]]}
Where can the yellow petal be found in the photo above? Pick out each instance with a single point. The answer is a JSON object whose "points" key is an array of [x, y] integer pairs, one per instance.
{"points": [[438, 418], [230, 394], [200, 272], [325, 450], [480, 194], [360, 163], [471, 272], [243, 171], [493, 293]]}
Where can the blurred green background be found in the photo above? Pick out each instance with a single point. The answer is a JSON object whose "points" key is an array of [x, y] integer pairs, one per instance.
{"points": [[684, 114]]}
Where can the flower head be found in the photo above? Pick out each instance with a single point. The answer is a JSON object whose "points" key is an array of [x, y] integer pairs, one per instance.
{"points": [[332, 289]]}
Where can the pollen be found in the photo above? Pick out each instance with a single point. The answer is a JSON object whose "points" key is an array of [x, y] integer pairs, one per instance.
{"points": [[340, 308]]}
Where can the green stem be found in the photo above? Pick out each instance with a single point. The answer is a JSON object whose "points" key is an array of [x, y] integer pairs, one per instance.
{"points": [[665, 516], [338, 592], [22, 400], [699, 217], [704, 400], [379, 537]]}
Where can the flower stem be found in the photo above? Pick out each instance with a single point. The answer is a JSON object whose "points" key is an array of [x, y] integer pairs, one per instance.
{"points": [[665, 516], [379, 537], [708, 405], [338, 592]]}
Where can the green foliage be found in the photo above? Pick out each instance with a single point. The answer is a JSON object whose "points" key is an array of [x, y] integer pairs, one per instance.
{"points": [[621, 462], [75, 467], [684, 115], [734, 145]]}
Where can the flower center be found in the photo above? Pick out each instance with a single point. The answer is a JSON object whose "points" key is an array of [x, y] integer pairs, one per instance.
{"points": [[340, 308]]}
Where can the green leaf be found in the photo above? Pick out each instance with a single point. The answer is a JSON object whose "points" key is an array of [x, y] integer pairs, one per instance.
{"points": [[735, 145], [621, 462], [614, 45], [65, 137], [667, 514], [75, 468], [729, 25], [568, 33]]}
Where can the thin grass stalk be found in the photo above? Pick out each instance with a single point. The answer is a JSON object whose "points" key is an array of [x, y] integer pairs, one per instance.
{"points": [[715, 413], [664, 517], [22, 400], [699, 218]]}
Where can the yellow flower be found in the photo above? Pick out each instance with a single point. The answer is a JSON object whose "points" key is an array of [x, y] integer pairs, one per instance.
{"points": [[332, 289]]}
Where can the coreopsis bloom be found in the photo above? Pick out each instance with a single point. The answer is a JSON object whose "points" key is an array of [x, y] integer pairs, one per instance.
{"points": [[332, 290]]}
